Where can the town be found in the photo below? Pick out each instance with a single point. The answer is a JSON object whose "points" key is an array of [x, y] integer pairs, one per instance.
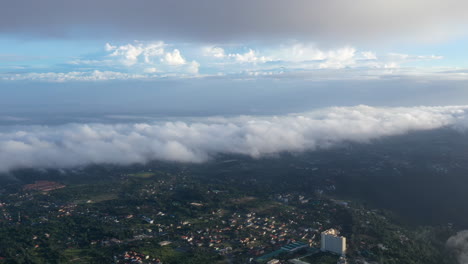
{"points": [[168, 215]]}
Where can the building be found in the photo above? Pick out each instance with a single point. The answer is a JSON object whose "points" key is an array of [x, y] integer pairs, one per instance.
{"points": [[293, 247], [333, 242]]}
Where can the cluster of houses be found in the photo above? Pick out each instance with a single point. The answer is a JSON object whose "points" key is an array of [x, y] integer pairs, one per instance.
{"points": [[135, 257], [249, 233]]}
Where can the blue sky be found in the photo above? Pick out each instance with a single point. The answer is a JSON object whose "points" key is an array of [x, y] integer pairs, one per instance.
{"points": [[65, 54], [21, 59], [56, 41]]}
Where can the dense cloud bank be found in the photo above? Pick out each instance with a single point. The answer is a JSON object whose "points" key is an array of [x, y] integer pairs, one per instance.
{"points": [[199, 139], [215, 20]]}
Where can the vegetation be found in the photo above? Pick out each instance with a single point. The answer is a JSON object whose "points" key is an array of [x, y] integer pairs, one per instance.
{"points": [[208, 213]]}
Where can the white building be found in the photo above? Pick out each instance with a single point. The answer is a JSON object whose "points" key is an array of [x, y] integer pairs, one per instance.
{"points": [[333, 242]]}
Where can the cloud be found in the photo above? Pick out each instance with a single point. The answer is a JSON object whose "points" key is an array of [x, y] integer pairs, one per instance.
{"points": [[200, 139], [129, 53], [407, 57], [151, 70], [339, 59], [95, 75], [174, 58], [458, 244], [306, 56], [369, 55], [193, 67], [287, 55], [300, 52], [136, 60], [216, 52], [249, 57], [214, 20], [132, 53], [149, 60]]}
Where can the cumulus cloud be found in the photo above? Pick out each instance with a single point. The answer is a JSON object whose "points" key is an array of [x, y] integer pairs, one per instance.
{"points": [[296, 54], [136, 60], [158, 59], [139, 52], [300, 52], [152, 58], [200, 139], [339, 59], [193, 67], [459, 245], [307, 56], [174, 58], [249, 57]]}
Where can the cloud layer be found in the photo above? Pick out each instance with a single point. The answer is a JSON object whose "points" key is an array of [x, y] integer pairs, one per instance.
{"points": [[213, 20], [140, 60], [200, 139], [458, 244]]}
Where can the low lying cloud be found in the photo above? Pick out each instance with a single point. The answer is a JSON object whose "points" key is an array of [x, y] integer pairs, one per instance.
{"points": [[95, 75], [200, 139], [459, 245]]}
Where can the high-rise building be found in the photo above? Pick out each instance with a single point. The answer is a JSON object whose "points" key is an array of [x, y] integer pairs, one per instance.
{"points": [[333, 242]]}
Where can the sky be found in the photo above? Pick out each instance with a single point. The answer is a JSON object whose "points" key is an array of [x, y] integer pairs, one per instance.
{"points": [[95, 56], [110, 65]]}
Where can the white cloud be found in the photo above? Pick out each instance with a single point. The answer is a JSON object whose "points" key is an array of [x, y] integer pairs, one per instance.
{"points": [[174, 58], [407, 57], [74, 76], [249, 57], [216, 52], [153, 50], [130, 54], [298, 52], [459, 245], [193, 67], [109, 47], [198, 140], [151, 70], [302, 52], [262, 73], [132, 61], [369, 55], [340, 58], [303, 56], [155, 59]]}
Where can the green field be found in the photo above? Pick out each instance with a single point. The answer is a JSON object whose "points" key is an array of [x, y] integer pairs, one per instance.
{"points": [[143, 175]]}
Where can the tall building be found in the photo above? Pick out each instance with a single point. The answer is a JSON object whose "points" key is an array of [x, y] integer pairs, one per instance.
{"points": [[333, 242]]}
